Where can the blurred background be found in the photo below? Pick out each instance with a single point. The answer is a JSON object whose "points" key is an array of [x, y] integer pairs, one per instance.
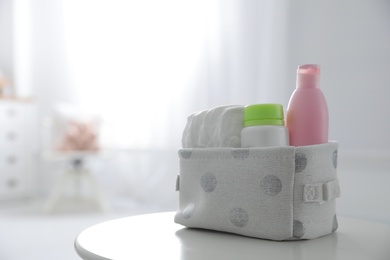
{"points": [[95, 96]]}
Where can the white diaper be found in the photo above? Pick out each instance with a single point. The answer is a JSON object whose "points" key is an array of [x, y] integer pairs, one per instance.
{"points": [[217, 127]]}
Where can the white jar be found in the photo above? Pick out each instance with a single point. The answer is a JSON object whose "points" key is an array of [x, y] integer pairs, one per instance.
{"points": [[264, 126]]}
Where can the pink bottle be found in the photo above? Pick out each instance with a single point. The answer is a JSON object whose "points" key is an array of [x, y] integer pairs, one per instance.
{"points": [[307, 112]]}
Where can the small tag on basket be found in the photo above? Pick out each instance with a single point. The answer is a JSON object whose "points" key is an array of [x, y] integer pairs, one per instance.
{"points": [[321, 192]]}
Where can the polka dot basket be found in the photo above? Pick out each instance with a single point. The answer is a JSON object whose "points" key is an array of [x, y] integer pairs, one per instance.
{"points": [[276, 193]]}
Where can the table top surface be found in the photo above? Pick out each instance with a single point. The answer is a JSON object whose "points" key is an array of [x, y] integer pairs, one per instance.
{"points": [[156, 236]]}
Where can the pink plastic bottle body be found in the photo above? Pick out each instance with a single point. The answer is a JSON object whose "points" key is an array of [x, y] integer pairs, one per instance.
{"points": [[307, 113]]}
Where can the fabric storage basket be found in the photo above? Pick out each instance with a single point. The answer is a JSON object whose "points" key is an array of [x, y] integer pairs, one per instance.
{"points": [[277, 193]]}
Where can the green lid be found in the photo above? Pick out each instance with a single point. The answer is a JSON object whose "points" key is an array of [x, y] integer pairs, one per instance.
{"points": [[264, 114]]}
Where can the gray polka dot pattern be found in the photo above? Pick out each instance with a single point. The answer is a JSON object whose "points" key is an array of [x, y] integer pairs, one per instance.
{"points": [[300, 162], [285, 193], [240, 154], [334, 159], [335, 224], [208, 182], [187, 211], [271, 185], [298, 229], [185, 154], [238, 217]]}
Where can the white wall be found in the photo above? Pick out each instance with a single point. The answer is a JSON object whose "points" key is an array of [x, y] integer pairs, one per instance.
{"points": [[350, 39], [49, 64], [6, 38], [364, 187]]}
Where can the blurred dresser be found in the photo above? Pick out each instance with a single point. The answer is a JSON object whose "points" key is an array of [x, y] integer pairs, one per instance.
{"points": [[16, 134]]}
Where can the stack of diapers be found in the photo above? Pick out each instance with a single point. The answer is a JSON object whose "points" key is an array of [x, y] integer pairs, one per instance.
{"points": [[217, 127], [276, 193]]}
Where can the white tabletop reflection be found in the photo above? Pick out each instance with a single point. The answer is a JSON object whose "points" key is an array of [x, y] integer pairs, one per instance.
{"points": [[156, 236]]}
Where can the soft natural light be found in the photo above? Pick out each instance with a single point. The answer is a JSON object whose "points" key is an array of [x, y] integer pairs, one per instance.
{"points": [[22, 50], [132, 60]]}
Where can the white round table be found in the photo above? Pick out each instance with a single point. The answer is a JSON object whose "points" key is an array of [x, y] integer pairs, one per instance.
{"points": [[156, 236]]}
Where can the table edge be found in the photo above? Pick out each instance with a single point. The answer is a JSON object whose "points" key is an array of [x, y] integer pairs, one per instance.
{"points": [[85, 254]]}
